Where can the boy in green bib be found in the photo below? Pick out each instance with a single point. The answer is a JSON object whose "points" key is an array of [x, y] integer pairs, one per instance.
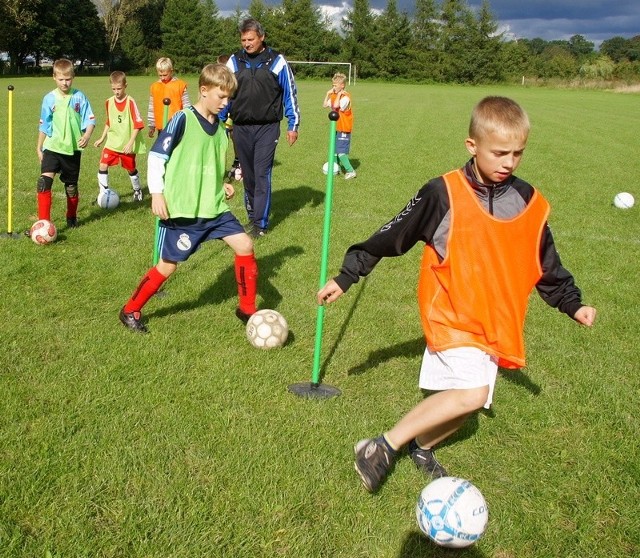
{"points": [[185, 174], [66, 125]]}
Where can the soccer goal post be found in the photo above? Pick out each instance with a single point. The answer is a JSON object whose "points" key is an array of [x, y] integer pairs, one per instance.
{"points": [[326, 64]]}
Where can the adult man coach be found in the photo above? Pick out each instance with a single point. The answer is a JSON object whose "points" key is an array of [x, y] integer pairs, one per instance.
{"points": [[266, 92]]}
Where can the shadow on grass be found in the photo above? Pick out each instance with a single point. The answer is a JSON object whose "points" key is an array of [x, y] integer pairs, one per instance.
{"points": [[519, 378], [342, 331], [126, 204], [224, 286], [289, 201], [417, 545]]}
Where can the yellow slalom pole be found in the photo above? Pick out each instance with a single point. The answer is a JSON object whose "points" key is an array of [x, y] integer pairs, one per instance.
{"points": [[10, 233]]}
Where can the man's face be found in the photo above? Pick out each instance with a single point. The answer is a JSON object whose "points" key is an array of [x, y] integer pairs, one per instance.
{"points": [[252, 42]]}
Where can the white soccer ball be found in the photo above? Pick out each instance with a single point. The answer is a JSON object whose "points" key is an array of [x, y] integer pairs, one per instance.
{"points": [[43, 232], [336, 168], [452, 512], [623, 200], [108, 199], [267, 329]]}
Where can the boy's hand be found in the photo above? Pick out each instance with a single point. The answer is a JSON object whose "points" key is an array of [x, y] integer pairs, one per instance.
{"points": [[585, 315], [229, 191], [329, 293], [83, 141], [98, 142], [159, 206], [151, 132], [128, 148]]}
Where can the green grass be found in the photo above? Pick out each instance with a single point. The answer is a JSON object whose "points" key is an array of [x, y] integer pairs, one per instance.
{"points": [[186, 442]]}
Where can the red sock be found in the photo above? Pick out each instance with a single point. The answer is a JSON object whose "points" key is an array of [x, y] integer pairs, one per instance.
{"points": [[149, 285], [72, 207], [247, 279], [44, 205]]}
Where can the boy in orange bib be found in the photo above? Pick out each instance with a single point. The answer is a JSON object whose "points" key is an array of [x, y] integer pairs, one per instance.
{"points": [[487, 245]]}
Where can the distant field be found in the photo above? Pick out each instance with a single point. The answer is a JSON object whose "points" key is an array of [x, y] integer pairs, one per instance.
{"points": [[186, 443]]}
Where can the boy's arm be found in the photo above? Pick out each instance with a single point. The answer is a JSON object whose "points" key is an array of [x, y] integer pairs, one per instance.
{"points": [[151, 117], [132, 140], [557, 286], [102, 137], [418, 221]]}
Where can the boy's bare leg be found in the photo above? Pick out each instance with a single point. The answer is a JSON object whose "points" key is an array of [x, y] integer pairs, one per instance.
{"points": [[437, 417]]}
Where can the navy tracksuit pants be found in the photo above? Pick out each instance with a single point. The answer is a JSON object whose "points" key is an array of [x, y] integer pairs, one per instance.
{"points": [[256, 148]]}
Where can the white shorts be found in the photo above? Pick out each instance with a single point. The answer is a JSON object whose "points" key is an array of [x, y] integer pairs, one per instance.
{"points": [[460, 368]]}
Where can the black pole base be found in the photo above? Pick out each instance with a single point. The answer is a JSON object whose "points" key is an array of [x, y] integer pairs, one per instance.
{"points": [[314, 391], [12, 235]]}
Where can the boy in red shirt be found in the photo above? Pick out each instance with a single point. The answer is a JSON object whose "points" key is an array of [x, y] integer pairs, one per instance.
{"points": [[487, 244], [122, 132]]}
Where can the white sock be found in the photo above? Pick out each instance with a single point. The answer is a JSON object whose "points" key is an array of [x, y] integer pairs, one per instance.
{"points": [[103, 180], [135, 181]]}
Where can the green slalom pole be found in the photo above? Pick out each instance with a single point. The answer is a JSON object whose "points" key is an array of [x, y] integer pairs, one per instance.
{"points": [[156, 237], [315, 389]]}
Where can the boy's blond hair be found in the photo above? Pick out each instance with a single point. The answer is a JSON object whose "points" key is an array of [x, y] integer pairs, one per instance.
{"points": [[501, 115], [164, 64], [218, 75], [63, 66], [118, 77], [339, 77]]}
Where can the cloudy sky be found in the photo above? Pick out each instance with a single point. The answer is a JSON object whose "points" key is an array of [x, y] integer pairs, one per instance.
{"points": [[596, 20]]}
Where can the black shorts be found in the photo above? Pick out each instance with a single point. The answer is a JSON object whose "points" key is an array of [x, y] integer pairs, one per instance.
{"points": [[68, 166]]}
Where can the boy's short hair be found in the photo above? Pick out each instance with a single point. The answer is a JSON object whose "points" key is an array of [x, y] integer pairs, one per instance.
{"points": [[339, 77], [63, 66], [118, 77], [222, 59], [218, 75], [164, 64], [498, 114]]}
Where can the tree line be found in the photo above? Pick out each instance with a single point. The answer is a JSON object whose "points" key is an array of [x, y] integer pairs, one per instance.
{"points": [[440, 42]]}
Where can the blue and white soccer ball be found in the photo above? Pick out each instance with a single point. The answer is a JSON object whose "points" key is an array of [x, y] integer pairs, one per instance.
{"points": [[452, 512], [108, 198]]}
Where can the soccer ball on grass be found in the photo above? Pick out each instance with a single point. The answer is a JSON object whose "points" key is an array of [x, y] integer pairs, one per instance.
{"points": [[43, 232], [452, 512], [623, 200], [267, 329], [108, 199], [336, 168]]}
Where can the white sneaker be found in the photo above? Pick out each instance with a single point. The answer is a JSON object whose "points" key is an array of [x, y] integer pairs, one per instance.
{"points": [[138, 195], [350, 175]]}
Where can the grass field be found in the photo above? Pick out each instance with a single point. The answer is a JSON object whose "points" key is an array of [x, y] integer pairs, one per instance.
{"points": [[186, 443]]}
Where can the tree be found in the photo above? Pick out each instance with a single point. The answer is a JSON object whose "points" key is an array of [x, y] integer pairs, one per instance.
{"points": [[191, 33], [394, 36], [360, 43], [115, 15], [580, 47], [423, 49], [18, 29]]}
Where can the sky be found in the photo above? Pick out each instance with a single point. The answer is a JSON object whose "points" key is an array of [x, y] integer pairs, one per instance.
{"points": [[595, 20]]}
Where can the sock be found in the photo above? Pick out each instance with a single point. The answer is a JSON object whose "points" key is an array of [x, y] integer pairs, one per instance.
{"points": [[421, 446], [389, 445], [149, 285], [103, 179], [135, 180], [344, 161], [44, 205], [246, 269], [72, 207]]}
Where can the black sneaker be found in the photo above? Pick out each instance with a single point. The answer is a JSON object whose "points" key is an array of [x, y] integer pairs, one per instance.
{"points": [[256, 232], [132, 321], [242, 316], [72, 223], [138, 195], [425, 460], [374, 460]]}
